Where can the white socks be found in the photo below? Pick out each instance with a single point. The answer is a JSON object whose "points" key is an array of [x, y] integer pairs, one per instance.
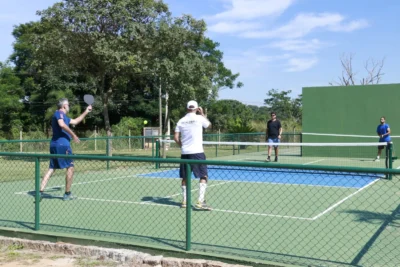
{"points": [[202, 191], [184, 193]]}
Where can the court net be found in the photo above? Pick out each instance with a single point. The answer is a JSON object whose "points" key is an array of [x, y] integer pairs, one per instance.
{"points": [[330, 154]]}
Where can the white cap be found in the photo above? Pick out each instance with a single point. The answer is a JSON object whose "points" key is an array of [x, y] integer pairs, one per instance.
{"points": [[192, 104]]}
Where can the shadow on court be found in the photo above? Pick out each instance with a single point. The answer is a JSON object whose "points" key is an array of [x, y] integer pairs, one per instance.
{"points": [[167, 201], [162, 201], [46, 194], [385, 220]]}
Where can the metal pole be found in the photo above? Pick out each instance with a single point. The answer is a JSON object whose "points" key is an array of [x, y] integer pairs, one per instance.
{"points": [[37, 194], [157, 153], [160, 108], [390, 158], [188, 207]]}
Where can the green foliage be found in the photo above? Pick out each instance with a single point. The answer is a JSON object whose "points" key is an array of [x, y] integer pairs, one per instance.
{"points": [[241, 129], [10, 106], [135, 125], [285, 107], [91, 46], [226, 114]]}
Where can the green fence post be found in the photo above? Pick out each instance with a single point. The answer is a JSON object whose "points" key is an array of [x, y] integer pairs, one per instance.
{"points": [[157, 153], [301, 147], [216, 151], [37, 194], [107, 151], [188, 207], [152, 147], [390, 159]]}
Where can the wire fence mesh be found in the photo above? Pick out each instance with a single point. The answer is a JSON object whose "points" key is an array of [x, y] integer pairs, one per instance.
{"points": [[294, 214]]}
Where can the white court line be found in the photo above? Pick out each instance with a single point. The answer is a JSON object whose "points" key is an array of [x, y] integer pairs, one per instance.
{"points": [[227, 211], [193, 190], [171, 206], [313, 162], [91, 182], [264, 214], [343, 200]]}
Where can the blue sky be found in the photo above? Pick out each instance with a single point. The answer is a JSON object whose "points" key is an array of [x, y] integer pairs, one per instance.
{"points": [[280, 44]]}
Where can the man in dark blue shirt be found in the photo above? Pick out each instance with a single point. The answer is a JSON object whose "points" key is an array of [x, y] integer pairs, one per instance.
{"points": [[383, 131], [273, 135], [60, 144]]}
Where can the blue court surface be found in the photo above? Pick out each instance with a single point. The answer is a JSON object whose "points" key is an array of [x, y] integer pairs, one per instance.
{"points": [[279, 176]]}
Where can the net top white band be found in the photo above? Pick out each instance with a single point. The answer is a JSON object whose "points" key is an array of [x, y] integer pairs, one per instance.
{"points": [[365, 144], [347, 135]]}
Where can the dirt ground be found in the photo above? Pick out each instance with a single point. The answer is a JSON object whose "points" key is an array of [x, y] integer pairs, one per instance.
{"points": [[14, 256]]}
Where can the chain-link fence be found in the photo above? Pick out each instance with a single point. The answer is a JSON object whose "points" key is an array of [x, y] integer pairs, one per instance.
{"points": [[143, 146], [294, 214]]}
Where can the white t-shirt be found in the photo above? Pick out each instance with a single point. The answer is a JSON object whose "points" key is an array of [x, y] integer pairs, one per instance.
{"points": [[191, 129]]}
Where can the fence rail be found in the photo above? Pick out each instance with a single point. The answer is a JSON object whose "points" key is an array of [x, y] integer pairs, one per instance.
{"points": [[294, 214]]}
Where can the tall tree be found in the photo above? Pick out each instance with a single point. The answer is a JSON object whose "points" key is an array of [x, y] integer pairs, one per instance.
{"points": [[286, 107], [104, 40], [10, 104], [123, 52]]}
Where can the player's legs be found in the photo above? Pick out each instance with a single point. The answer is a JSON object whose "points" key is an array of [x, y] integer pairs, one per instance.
{"points": [[201, 171], [53, 165], [182, 175], [276, 140], [379, 153], [46, 178], [69, 176], [270, 141], [68, 164]]}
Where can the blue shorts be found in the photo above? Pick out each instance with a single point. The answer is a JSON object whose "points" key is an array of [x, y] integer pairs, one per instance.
{"points": [[61, 163], [274, 140], [199, 170]]}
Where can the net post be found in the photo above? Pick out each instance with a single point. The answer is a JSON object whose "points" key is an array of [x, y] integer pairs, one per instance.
{"points": [[37, 194], [157, 152], [188, 207], [216, 151], [301, 147]]}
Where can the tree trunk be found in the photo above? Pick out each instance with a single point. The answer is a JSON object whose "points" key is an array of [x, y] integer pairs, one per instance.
{"points": [[105, 96]]}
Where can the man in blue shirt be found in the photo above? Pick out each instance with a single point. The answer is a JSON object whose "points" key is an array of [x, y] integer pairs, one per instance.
{"points": [[60, 144], [383, 131]]}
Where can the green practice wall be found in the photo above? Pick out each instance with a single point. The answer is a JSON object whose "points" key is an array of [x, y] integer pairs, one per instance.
{"points": [[351, 110]]}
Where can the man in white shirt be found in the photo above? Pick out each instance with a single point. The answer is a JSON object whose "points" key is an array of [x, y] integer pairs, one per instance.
{"points": [[190, 130]]}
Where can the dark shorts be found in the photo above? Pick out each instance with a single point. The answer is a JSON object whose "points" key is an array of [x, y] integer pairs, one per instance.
{"points": [[60, 163], [199, 170], [382, 147]]}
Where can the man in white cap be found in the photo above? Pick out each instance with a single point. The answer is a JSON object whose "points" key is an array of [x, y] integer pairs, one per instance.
{"points": [[190, 130]]}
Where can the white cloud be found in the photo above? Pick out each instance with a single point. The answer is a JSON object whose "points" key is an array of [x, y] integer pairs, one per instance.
{"points": [[299, 46], [303, 24], [301, 64], [352, 26], [226, 27], [251, 9]]}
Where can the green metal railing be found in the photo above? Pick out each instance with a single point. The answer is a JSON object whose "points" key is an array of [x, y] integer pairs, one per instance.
{"points": [[285, 213]]}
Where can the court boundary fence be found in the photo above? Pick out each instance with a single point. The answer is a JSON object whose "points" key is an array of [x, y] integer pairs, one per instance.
{"points": [[188, 247]]}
